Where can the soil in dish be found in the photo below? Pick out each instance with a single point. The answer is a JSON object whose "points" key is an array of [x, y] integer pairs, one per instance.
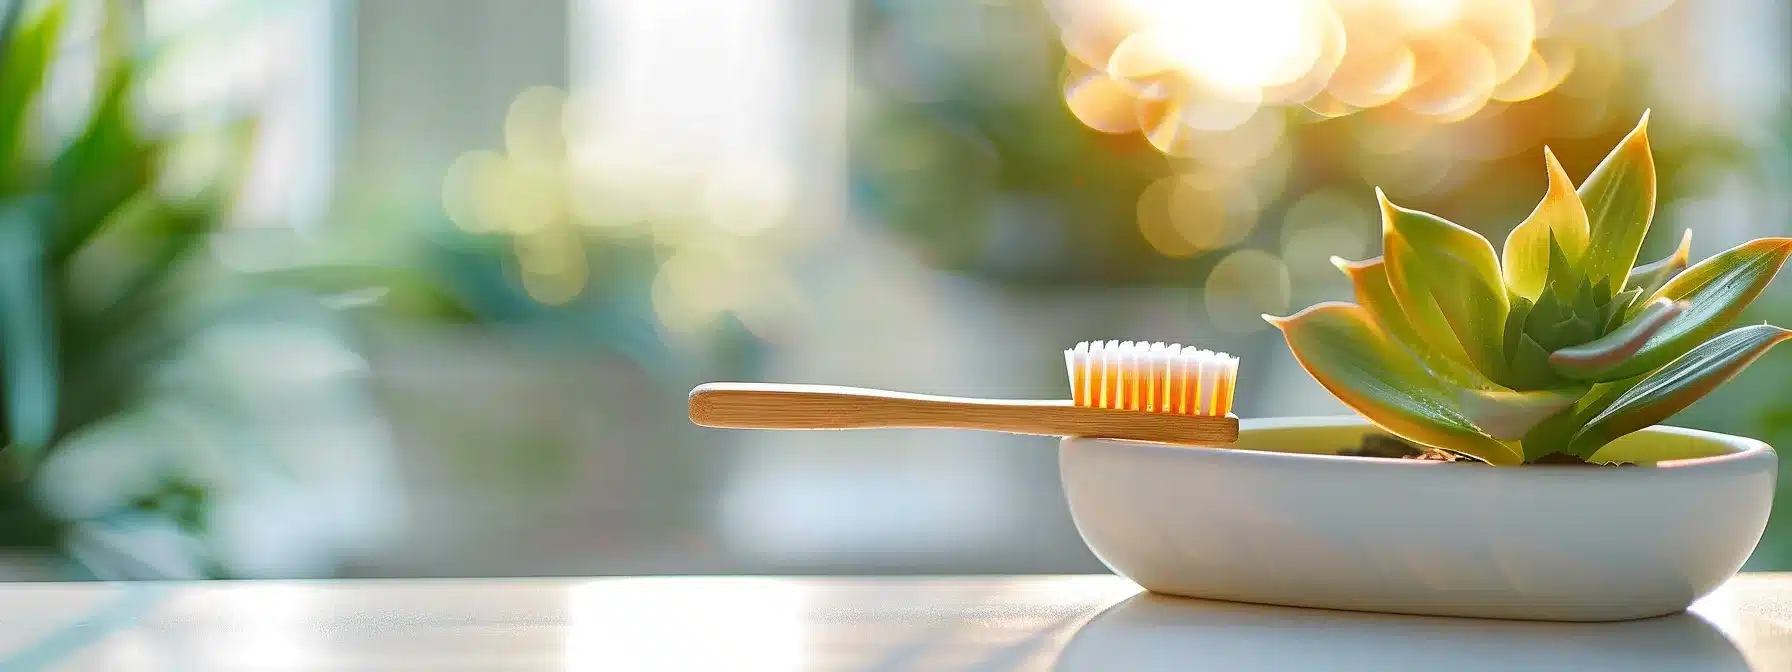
{"points": [[1388, 446]]}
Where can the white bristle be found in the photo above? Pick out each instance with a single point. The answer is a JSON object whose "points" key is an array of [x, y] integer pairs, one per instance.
{"points": [[1071, 368], [1151, 376]]}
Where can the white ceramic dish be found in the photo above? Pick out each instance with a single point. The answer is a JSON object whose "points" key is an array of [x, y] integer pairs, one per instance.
{"points": [[1281, 519]]}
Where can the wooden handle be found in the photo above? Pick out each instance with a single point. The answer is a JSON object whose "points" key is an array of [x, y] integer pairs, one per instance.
{"points": [[777, 406]]}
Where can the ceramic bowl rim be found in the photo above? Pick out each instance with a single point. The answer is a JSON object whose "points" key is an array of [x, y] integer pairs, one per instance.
{"points": [[1742, 448]]}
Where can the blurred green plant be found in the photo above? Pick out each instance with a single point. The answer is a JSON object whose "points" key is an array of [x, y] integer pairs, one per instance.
{"points": [[1559, 346], [420, 268], [88, 250], [453, 276], [104, 286], [88, 244]]}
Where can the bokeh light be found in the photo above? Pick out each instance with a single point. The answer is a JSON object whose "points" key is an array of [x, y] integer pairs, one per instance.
{"points": [[1218, 60], [1244, 285], [561, 186], [1181, 216], [1324, 223], [1209, 65], [1433, 87]]}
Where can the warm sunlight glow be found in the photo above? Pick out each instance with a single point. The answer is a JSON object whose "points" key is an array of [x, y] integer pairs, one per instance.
{"points": [[1213, 84], [1208, 65], [1232, 45]]}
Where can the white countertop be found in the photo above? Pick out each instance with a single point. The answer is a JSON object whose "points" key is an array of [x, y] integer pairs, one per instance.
{"points": [[1062, 622]]}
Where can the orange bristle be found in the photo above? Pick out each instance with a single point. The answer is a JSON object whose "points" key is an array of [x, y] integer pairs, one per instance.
{"points": [[1153, 377]]}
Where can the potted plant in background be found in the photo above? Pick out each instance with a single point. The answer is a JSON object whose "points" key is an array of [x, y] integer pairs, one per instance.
{"points": [[1556, 351], [162, 416]]}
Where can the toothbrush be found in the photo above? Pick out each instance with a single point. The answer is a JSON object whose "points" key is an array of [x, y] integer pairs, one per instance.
{"points": [[1119, 390]]}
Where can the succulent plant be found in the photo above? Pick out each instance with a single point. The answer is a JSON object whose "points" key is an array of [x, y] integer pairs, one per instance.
{"points": [[1558, 345]]}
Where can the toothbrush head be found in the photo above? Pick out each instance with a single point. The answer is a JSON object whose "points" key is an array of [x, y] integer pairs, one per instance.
{"points": [[1151, 377]]}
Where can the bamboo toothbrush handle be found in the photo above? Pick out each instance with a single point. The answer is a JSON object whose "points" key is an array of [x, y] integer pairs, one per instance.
{"points": [[779, 406]]}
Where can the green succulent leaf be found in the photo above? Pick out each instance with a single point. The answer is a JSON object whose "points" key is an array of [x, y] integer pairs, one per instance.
{"points": [[1508, 415], [1649, 278], [1587, 299], [1619, 309], [1369, 280], [1528, 368], [1447, 281], [1619, 197], [1596, 359], [1343, 348], [1558, 222], [1575, 329], [1563, 279], [1665, 392], [27, 338], [1554, 433], [1516, 314], [1715, 290], [1544, 322]]}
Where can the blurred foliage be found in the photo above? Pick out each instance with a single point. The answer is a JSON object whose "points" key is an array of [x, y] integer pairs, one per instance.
{"points": [[1004, 183], [963, 144], [109, 299], [415, 266], [91, 249]]}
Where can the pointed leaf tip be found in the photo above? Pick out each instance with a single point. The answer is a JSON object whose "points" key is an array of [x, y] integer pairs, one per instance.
{"points": [[1388, 210], [1315, 308], [1550, 241], [1649, 278], [1619, 196], [1354, 268]]}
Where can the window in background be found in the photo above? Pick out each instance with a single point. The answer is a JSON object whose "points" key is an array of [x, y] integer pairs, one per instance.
{"points": [[689, 88], [273, 60]]}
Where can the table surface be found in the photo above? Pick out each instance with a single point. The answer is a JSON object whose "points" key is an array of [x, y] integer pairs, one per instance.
{"points": [[746, 623]]}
